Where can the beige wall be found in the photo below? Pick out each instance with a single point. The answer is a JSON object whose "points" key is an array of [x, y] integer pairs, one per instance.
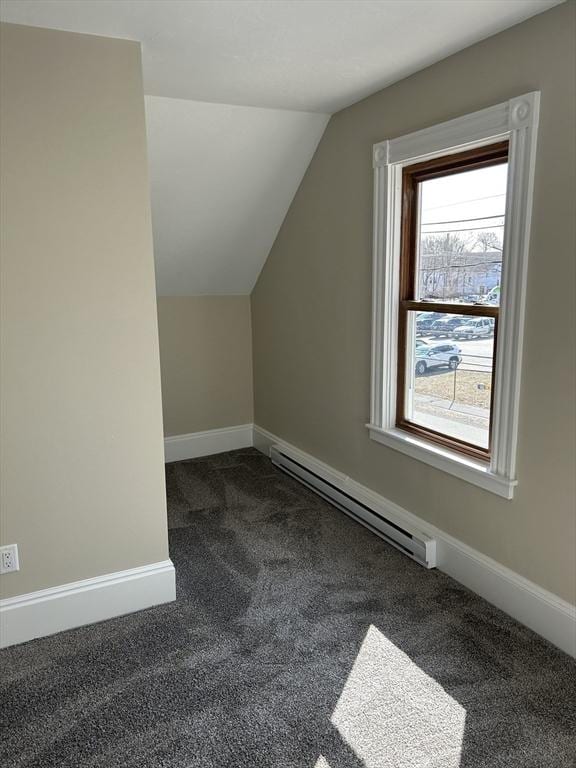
{"points": [[206, 362], [311, 306], [82, 456]]}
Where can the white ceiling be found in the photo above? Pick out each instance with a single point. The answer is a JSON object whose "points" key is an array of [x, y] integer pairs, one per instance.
{"points": [[312, 55], [223, 176], [222, 179]]}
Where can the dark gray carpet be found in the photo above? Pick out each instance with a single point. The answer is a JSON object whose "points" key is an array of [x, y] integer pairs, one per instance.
{"points": [[298, 639]]}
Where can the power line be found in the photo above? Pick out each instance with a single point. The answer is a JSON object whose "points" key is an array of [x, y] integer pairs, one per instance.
{"points": [[463, 202], [467, 229], [459, 266], [460, 255], [456, 221]]}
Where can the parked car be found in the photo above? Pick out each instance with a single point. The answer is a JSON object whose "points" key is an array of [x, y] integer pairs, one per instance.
{"points": [[492, 297], [424, 321], [445, 326], [435, 356], [474, 328]]}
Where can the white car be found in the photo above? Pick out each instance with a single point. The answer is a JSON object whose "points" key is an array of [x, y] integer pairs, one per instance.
{"points": [[474, 328], [430, 356]]}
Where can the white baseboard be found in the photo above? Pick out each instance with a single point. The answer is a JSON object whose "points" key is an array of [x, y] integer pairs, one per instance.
{"points": [[197, 444], [53, 610], [540, 610], [48, 611]]}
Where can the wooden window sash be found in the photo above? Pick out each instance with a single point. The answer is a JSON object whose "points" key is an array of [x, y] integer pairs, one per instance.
{"points": [[412, 176]]}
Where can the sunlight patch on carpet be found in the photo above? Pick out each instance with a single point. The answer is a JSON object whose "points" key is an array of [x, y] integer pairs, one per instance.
{"points": [[391, 713]]}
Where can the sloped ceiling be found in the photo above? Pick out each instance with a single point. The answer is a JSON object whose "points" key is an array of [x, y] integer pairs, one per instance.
{"points": [[222, 179], [309, 55], [222, 176]]}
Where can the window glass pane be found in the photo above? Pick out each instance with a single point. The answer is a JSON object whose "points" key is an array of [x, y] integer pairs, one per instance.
{"points": [[461, 229], [449, 374]]}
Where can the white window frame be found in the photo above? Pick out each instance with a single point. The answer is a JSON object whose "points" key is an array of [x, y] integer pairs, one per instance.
{"points": [[517, 122]]}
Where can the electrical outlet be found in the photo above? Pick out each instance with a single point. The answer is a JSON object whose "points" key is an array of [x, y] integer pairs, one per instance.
{"points": [[9, 558]]}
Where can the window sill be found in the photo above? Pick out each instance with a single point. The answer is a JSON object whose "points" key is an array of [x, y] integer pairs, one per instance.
{"points": [[472, 471]]}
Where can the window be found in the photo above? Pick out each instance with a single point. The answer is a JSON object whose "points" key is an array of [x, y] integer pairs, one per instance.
{"points": [[452, 222], [452, 214]]}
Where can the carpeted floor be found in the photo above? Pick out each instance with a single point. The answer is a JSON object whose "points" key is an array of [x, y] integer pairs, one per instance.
{"points": [[298, 640]]}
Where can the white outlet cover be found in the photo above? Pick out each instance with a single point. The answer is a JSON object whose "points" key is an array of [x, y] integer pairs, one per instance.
{"points": [[9, 559]]}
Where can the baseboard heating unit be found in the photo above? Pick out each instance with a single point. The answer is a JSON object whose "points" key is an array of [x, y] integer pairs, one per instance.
{"points": [[411, 542]]}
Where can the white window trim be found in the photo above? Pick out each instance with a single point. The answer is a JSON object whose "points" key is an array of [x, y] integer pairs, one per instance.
{"points": [[517, 121]]}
